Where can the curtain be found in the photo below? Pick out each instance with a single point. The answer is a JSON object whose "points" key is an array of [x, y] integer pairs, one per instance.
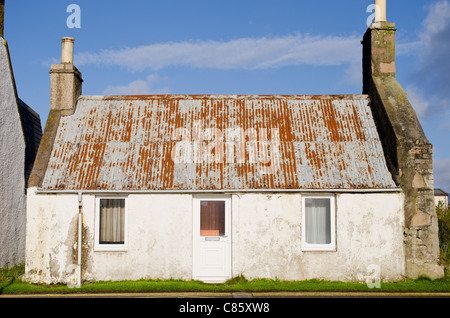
{"points": [[212, 218], [112, 221], [318, 221]]}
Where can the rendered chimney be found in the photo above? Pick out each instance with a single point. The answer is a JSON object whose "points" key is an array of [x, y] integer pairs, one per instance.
{"points": [[65, 81]]}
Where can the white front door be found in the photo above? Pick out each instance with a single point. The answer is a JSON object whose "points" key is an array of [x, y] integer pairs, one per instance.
{"points": [[212, 238]]}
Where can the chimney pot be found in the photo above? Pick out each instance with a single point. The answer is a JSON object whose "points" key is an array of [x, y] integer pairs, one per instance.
{"points": [[380, 10], [67, 50]]}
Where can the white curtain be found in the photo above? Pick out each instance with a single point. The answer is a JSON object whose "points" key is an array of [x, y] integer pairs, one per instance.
{"points": [[318, 221], [112, 221]]}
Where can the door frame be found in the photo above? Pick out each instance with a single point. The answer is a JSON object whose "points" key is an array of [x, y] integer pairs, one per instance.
{"points": [[196, 239]]}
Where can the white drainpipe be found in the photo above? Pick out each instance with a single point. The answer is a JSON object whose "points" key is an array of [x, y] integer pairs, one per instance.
{"points": [[80, 234]]}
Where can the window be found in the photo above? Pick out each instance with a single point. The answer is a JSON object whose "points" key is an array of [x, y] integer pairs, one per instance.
{"points": [[212, 218], [318, 223], [111, 224]]}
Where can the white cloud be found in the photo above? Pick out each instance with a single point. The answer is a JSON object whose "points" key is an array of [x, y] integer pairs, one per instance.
{"points": [[418, 101], [138, 87], [436, 21], [442, 173], [353, 73], [434, 73], [408, 48], [245, 53], [48, 62]]}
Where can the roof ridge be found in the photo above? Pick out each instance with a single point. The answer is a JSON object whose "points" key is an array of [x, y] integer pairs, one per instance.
{"points": [[224, 96]]}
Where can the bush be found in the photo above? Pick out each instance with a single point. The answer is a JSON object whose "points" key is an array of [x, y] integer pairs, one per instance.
{"points": [[443, 214], [12, 274]]}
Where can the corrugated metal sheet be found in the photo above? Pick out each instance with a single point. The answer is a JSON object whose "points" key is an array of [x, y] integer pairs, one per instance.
{"points": [[196, 143]]}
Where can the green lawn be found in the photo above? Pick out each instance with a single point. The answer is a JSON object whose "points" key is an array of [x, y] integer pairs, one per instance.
{"points": [[10, 283]]}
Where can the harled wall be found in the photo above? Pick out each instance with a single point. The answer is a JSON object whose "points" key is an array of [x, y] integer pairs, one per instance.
{"points": [[266, 238], [12, 167]]}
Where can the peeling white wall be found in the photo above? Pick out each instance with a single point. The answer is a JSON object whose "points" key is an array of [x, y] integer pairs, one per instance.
{"points": [[12, 166], [159, 239], [369, 231], [266, 238], [51, 236]]}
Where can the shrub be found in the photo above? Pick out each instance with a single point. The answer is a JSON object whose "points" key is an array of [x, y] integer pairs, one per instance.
{"points": [[12, 274], [443, 214]]}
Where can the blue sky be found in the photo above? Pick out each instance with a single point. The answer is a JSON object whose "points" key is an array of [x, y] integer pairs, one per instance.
{"points": [[234, 47]]}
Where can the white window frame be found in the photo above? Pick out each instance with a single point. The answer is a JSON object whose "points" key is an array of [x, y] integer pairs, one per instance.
{"points": [[109, 247], [331, 247]]}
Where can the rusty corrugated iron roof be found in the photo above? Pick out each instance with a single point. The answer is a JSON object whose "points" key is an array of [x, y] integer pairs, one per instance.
{"points": [[212, 142]]}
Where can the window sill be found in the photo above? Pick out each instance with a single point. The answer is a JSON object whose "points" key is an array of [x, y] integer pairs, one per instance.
{"points": [[319, 249], [110, 248]]}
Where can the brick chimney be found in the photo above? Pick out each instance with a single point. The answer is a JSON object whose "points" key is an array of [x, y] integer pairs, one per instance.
{"points": [[2, 16], [65, 81], [407, 150], [378, 47]]}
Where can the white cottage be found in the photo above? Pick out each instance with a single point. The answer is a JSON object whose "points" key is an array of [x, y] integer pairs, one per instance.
{"points": [[440, 198], [211, 187]]}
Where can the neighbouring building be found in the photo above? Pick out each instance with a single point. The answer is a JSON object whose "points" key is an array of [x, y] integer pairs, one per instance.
{"points": [[211, 187], [20, 134], [440, 197]]}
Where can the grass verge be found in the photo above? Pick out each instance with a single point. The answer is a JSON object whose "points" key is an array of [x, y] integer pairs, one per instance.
{"points": [[11, 283]]}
